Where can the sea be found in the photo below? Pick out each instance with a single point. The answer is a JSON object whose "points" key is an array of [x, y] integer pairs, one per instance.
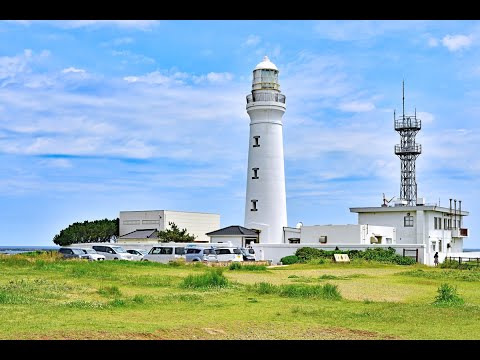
{"points": [[11, 250]]}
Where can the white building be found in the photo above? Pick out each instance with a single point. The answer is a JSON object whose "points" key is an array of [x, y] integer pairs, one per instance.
{"points": [[340, 234], [265, 203], [144, 225], [437, 228]]}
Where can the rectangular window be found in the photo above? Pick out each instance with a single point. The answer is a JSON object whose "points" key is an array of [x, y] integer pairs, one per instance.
{"points": [[150, 221], [408, 221], [435, 223], [445, 223], [254, 205], [131, 222], [256, 141], [255, 173], [440, 245], [434, 245], [323, 239]]}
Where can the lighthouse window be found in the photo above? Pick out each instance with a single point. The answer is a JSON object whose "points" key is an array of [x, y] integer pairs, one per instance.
{"points": [[408, 221], [255, 141], [255, 173], [254, 205]]}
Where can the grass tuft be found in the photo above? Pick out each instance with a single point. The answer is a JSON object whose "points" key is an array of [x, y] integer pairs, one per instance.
{"points": [[213, 278]]}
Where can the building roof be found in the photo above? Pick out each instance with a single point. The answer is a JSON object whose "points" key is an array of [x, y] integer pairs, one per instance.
{"points": [[140, 234], [266, 64], [234, 230], [377, 209]]}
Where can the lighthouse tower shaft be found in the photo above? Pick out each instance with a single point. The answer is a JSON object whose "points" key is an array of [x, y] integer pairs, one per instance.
{"points": [[265, 204]]}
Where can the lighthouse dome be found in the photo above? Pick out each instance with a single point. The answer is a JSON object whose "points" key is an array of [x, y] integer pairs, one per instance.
{"points": [[266, 64]]}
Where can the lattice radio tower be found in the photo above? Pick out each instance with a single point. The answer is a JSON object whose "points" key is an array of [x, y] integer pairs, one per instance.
{"points": [[407, 126]]}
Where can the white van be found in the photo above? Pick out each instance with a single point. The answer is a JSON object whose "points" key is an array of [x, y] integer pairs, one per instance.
{"points": [[112, 252], [165, 253], [228, 253]]}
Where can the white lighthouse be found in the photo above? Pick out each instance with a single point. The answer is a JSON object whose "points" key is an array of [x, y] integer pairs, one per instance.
{"points": [[265, 205]]}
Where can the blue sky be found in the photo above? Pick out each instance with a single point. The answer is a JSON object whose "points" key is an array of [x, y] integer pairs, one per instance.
{"points": [[102, 116]]}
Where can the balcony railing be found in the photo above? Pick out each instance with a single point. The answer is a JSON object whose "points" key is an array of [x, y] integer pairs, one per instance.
{"points": [[408, 123], [413, 150], [460, 232], [265, 96]]}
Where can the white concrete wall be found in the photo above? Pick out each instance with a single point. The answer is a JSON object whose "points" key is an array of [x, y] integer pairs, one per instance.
{"points": [[141, 218], [235, 240], [275, 252], [269, 188], [404, 235], [196, 223], [341, 234]]}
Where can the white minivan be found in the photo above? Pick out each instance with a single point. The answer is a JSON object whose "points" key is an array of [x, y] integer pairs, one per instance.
{"points": [[228, 253], [165, 253], [112, 252]]}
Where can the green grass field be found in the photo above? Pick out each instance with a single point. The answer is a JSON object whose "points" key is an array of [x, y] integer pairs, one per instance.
{"points": [[43, 297]]}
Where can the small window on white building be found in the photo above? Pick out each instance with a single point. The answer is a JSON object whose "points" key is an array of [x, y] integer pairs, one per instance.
{"points": [[323, 239], [408, 221], [434, 246], [255, 173], [256, 141], [440, 245], [254, 205]]}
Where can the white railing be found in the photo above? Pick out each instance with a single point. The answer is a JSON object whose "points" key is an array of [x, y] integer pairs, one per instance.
{"points": [[265, 96]]}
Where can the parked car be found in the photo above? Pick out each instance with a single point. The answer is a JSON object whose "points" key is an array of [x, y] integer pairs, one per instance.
{"points": [[112, 252], [197, 253], [92, 255], [72, 253], [248, 254], [165, 253], [138, 254], [228, 254]]}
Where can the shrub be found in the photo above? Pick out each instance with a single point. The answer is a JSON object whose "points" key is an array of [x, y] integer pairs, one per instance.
{"points": [[307, 253], [265, 288], [291, 259], [109, 291], [248, 267], [327, 291], [235, 266], [213, 278], [447, 296]]}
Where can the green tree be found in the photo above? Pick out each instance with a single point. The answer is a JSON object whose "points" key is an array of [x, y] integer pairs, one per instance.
{"points": [[88, 231], [175, 234]]}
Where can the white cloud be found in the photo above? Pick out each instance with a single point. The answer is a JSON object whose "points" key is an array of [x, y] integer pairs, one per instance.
{"points": [[356, 106], [72, 70], [252, 40], [426, 117], [456, 42], [213, 77], [133, 58]]}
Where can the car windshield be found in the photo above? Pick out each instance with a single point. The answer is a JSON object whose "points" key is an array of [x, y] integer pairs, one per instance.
{"points": [[118, 249], [89, 251], [78, 251]]}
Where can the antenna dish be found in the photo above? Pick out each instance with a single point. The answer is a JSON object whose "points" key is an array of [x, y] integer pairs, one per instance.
{"points": [[299, 225]]}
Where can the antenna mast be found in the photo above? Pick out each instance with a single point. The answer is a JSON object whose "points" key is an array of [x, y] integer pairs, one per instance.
{"points": [[407, 126]]}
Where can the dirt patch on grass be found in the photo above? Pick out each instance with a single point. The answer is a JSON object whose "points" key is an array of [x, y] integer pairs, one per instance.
{"points": [[259, 332]]}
